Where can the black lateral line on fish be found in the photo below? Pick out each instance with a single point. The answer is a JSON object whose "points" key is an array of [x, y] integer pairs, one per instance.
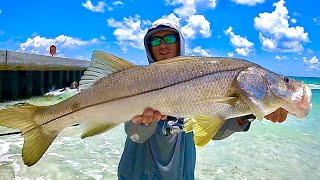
{"points": [[142, 93]]}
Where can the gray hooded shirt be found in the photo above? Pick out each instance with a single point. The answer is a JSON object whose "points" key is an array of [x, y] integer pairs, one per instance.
{"points": [[148, 153]]}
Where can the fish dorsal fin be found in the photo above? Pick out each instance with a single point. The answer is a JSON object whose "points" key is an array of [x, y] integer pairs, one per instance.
{"points": [[175, 59], [102, 64], [204, 128]]}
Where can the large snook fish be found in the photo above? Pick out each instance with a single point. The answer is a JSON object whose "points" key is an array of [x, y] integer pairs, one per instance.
{"points": [[210, 90]]}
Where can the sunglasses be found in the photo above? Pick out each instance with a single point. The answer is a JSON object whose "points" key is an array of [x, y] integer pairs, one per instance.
{"points": [[168, 39]]}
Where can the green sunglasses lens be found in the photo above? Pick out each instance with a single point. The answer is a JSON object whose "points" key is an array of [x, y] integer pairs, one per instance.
{"points": [[155, 41], [170, 39]]}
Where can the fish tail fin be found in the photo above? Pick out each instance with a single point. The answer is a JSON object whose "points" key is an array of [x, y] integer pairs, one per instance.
{"points": [[36, 139]]}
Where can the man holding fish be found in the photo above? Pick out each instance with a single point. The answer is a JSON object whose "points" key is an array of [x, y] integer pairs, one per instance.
{"points": [[218, 96], [148, 153]]}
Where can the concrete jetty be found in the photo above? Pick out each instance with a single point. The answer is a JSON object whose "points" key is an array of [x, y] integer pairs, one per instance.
{"points": [[24, 75]]}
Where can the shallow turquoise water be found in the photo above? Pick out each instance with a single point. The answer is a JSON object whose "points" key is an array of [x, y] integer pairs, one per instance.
{"points": [[290, 150]]}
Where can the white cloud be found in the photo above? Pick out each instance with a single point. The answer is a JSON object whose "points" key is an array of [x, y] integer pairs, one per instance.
{"points": [[314, 60], [0, 11], [173, 2], [230, 54], [281, 57], [275, 33], [116, 3], [213, 3], [269, 43], [310, 51], [242, 44], [130, 31], [173, 17], [98, 8], [316, 68], [316, 20], [248, 2], [198, 51], [305, 59], [102, 37], [196, 24], [313, 63], [187, 8], [242, 51], [293, 21], [237, 40], [40, 45], [296, 14]]}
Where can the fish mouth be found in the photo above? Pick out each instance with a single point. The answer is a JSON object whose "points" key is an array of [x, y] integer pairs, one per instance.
{"points": [[301, 102]]}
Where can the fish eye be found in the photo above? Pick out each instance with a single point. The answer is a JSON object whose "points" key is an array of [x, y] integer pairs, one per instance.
{"points": [[286, 79]]}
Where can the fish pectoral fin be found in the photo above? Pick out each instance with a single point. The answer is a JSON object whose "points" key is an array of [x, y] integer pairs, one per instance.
{"points": [[205, 128], [36, 140], [257, 108], [226, 100], [102, 64], [97, 129]]}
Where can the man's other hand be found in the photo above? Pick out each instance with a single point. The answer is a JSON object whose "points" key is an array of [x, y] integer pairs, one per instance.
{"points": [[279, 116], [149, 115]]}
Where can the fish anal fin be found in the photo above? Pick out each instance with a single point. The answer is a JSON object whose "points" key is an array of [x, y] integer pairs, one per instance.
{"points": [[205, 128], [97, 129], [102, 64]]}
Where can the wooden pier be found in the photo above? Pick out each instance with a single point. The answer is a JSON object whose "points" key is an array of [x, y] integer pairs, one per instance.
{"points": [[24, 75]]}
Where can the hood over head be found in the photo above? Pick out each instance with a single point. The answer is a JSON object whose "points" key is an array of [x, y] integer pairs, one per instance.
{"points": [[160, 25]]}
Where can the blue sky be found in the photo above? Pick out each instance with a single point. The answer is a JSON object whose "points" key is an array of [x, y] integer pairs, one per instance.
{"points": [[282, 36]]}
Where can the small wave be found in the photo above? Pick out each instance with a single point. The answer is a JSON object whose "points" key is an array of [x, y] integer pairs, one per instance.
{"points": [[306, 134], [57, 92], [314, 86], [4, 148]]}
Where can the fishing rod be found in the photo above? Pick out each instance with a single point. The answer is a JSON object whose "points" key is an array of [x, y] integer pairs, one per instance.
{"points": [[10, 133], [18, 132]]}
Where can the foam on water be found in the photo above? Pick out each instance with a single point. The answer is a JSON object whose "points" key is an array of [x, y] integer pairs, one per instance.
{"points": [[314, 86], [4, 147], [62, 92]]}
